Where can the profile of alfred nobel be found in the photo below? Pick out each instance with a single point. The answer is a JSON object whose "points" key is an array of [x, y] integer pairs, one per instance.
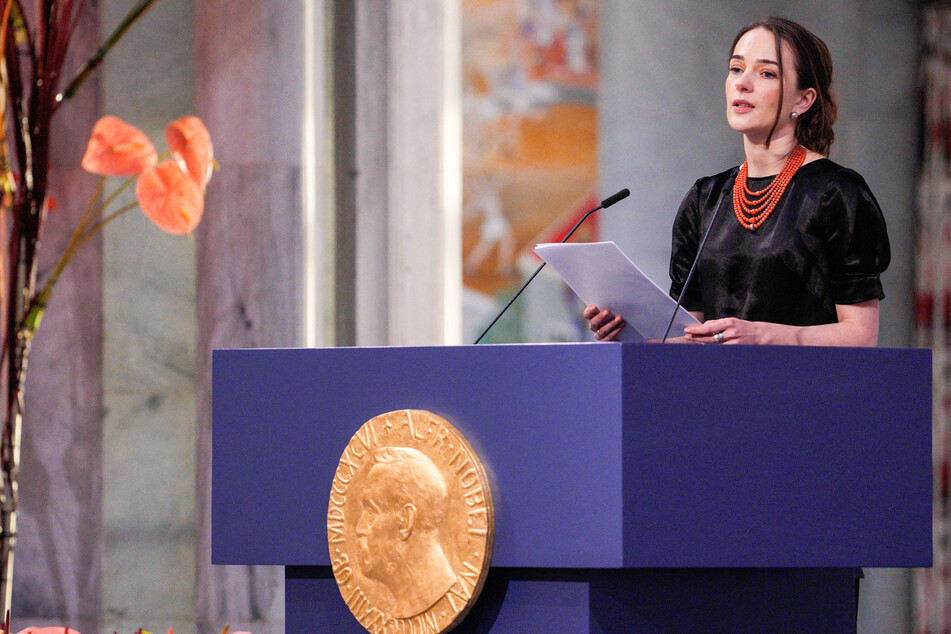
{"points": [[403, 503]]}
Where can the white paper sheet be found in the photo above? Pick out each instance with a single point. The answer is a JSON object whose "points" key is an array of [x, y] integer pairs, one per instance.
{"points": [[599, 273]]}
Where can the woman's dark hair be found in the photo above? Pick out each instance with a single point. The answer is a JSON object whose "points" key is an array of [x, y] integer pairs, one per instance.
{"points": [[814, 69]]}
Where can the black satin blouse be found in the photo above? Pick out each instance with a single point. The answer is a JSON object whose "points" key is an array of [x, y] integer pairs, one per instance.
{"points": [[824, 244]]}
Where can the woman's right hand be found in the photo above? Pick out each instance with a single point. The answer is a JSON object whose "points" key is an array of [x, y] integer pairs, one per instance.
{"points": [[605, 325]]}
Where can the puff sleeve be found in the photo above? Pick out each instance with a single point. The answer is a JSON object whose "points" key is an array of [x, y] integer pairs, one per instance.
{"points": [[856, 239]]}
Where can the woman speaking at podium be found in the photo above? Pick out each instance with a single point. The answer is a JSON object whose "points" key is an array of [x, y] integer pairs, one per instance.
{"points": [[795, 253]]}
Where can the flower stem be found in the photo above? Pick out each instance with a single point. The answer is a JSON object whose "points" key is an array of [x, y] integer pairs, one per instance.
{"points": [[106, 220], [84, 230], [121, 188], [93, 62]]}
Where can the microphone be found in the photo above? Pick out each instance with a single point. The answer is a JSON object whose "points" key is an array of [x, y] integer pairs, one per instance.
{"points": [[683, 291], [607, 202]]}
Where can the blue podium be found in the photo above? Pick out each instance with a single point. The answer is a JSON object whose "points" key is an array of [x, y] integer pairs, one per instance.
{"points": [[636, 487]]}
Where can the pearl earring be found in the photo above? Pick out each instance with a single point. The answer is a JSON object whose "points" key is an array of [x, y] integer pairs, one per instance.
{"points": [[794, 115]]}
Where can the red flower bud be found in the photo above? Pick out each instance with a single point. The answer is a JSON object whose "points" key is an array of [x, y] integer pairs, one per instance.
{"points": [[169, 198], [118, 149], [191, 146]]}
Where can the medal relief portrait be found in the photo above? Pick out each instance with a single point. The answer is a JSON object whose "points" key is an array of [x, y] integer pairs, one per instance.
{"points": [[402, 505]]}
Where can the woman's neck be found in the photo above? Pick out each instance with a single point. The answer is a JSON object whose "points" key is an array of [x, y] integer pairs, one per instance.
{"points": [[767, 161]]}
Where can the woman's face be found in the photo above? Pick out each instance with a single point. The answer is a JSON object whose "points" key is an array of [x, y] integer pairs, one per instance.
{"points": [[752, 87]]}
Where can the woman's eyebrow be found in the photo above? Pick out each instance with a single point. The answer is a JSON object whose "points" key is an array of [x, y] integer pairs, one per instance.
{"points": [[760, 61]]}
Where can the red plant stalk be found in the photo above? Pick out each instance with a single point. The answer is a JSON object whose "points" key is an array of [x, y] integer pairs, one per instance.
{"points": [[33, 57]]}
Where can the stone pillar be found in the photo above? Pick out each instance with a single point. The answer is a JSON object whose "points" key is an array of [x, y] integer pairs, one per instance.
{"points": [[57, 561], [405, 169], [424, 185], [335, 218], [370, 168], [250, 90]]}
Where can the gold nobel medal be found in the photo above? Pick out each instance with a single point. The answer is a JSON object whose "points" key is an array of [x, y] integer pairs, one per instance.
{"points": [[410, 524]]}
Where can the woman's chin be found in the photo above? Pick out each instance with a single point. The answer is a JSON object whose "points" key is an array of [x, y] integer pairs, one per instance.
{"points": [[743, 125]]}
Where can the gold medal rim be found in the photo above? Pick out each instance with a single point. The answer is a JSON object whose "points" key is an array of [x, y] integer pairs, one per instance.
{"points": [[490, 509]]}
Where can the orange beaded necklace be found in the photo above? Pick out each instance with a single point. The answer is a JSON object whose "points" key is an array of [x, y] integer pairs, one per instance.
{"points": [[753, 208]]}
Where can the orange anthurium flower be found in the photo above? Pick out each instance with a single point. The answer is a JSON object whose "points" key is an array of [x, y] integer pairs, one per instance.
{"points": [[170, 198], [191, 146], [118, 149]]}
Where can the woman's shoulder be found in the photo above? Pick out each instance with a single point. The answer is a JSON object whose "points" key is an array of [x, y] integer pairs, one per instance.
{"points": [[709, 188], [705, 192], [828, 176], [842, 195], [716, 181]]}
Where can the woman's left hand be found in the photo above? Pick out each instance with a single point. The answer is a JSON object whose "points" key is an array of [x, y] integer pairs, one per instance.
{"points": [[857, 325], [729, 330]]}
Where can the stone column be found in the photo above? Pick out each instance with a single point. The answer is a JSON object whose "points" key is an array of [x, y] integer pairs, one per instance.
{"points": [[424, 186], [250, 90], [335, 218], [370, 170], [405, 170]]}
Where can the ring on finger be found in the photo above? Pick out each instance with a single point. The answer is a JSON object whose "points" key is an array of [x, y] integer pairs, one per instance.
{"points": [[718, 337]]}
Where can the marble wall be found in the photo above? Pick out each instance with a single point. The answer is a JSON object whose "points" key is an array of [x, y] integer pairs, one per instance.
{"points": [[148, 462]]}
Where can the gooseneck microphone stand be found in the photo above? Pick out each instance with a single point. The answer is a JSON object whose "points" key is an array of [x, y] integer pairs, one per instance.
{"points": [[607, 202]]}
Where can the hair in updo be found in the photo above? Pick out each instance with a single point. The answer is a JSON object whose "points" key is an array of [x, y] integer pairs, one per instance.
{"points": [[814, 69]]}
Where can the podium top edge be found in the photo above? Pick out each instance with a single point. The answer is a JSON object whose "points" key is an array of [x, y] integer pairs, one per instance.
{"points": [[618, 345]]}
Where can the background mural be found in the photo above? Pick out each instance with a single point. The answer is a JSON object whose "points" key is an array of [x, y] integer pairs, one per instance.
{"points": [[530, 87]]}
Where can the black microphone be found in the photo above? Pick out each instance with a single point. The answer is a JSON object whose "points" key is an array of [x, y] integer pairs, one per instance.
{"points": [[607, 202], [683, 291]]}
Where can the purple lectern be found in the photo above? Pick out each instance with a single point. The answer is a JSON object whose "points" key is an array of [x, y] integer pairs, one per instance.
{"points": [[636, 487]]}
